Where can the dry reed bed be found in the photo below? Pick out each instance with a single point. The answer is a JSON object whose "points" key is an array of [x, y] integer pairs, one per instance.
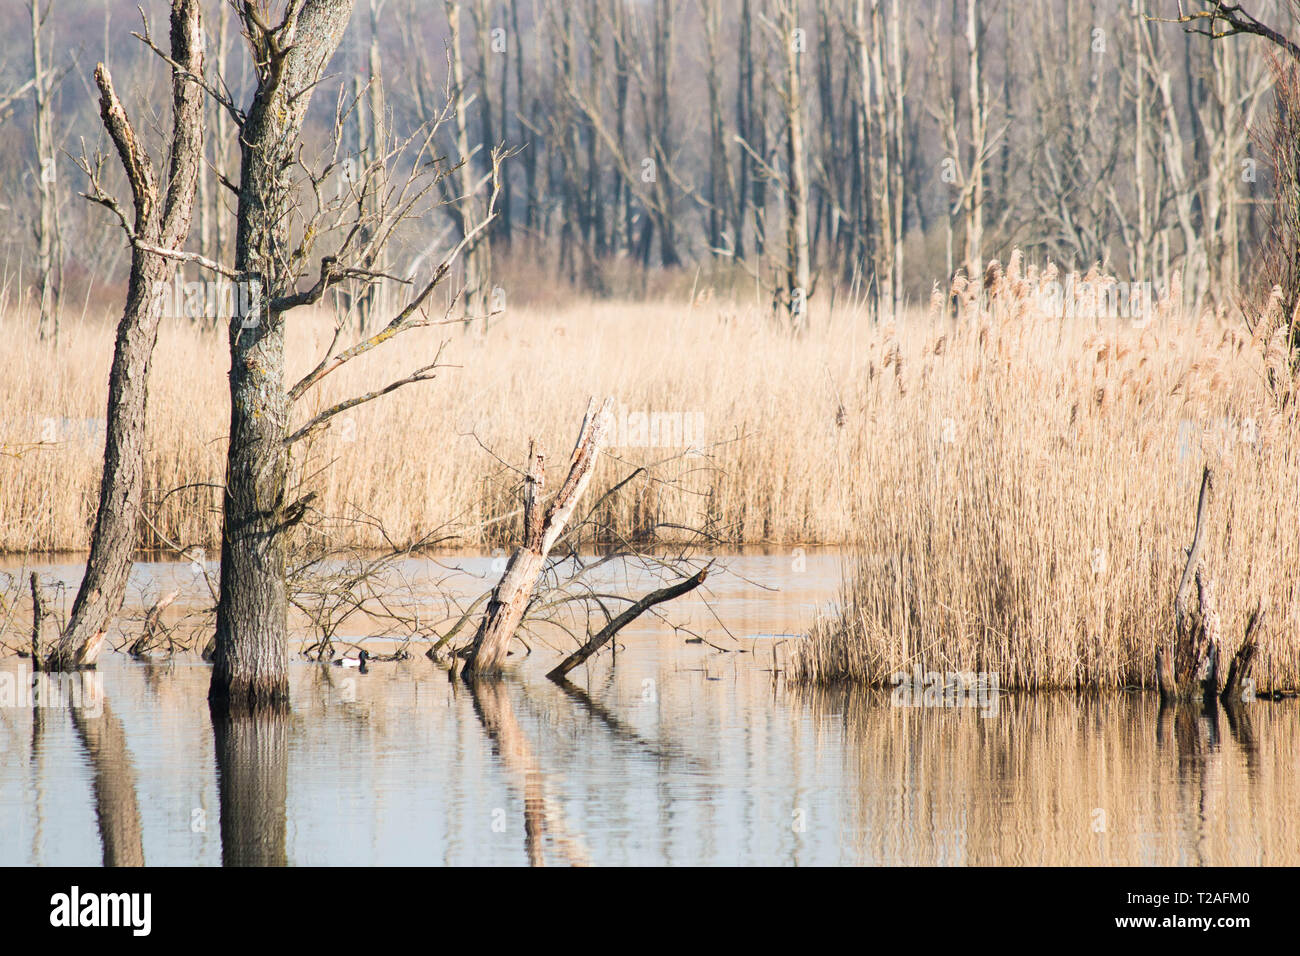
{"points": [[1024, 488], [762, 406], [1019, 487]]}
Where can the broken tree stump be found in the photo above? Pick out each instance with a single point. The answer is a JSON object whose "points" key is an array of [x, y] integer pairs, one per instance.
{"points": [[602, 637], [1193, 640], [1193, 665], [1234, 684], [38, 621], [542, 529]]}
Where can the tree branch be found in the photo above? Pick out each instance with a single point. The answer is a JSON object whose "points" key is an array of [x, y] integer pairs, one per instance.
{"points": [[598, 640]]}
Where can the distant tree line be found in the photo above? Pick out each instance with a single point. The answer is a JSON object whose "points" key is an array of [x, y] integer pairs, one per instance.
{"points": [[808, 147]]}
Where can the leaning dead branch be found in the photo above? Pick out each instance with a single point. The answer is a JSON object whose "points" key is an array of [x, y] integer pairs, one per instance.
{"points": [[541, 529], [154, 632], [605, 634], [538, 593]]}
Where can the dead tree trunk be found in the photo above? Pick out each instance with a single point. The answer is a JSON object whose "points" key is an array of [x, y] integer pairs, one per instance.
{"points": [[161, 223], [979, 122], [39, 613], [466, 207], [47, 252], [720, 199], [510, 597], [1236, 686], [1193, 666], [251, 659], [798, 268], [661, 138], [221, 143], [1196, 629]]}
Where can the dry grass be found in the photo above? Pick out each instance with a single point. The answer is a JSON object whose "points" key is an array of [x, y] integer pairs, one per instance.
{"points": [[765, 407], [1019, 488], [1024, 488]]}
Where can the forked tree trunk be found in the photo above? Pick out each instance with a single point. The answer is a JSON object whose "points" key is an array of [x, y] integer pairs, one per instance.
{"points": [[251, 659], [510, 597], [161, 220]]}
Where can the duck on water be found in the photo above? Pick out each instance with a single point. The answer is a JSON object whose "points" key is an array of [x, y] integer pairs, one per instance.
{"points": [[358, 662]]}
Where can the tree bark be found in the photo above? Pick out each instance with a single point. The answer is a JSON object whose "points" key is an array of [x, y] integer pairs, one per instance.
{"points": [[467, 211], [979, 121], [1234, 684], [798, 264], [251, 658], [47, 181], [161, 220], [1193, 666]]}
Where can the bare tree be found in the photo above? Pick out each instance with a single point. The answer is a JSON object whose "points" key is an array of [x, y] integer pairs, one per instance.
{"points": [[1218, 19], [160, 222], [794, 287], [465, 207], [274, 205], [48, 250], [1127, 135], [290, 58], [798, 270]]}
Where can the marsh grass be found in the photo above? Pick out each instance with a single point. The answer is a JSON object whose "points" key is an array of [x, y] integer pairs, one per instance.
{"points": [[1023, 488], [1016, 487], [758, 408]]}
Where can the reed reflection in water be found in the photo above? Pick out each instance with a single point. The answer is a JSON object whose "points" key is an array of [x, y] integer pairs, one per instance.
{"points": [[679, 755], [1052, 780]]}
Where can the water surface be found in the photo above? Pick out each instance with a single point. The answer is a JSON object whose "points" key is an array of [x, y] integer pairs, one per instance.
{"points": [[678, 753]]}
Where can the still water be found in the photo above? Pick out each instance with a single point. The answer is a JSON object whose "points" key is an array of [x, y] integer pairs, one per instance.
{"points": [[677, 753]]}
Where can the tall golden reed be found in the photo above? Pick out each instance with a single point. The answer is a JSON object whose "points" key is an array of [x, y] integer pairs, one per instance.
{"points": [[1024, 485], [1017, 486]]}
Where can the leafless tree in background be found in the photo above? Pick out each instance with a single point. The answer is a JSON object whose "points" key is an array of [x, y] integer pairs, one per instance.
{"points": [[934, 133], [49, 255]]}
